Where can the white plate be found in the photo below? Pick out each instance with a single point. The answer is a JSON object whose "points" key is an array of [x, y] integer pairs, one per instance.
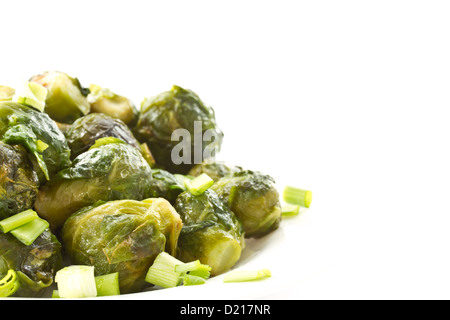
{"points": [[286, 252]]}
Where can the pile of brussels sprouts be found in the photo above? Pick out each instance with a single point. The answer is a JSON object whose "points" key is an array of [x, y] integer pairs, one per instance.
{"points": [[101, 174]]}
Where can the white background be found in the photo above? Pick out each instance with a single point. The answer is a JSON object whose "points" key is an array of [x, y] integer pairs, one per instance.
{"points": [[349, 99]]}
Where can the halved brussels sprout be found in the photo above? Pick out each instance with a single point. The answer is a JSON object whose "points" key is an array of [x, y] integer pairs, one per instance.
{"points": [[122, 236], [35, 265], [211, 233], [66, 98], [19, 182], [254, 198], [20, 124], [181, 109], [112, 171], [215, 170], [105, 101], [83, 133]]}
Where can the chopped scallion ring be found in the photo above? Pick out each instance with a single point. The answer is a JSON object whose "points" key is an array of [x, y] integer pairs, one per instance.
{"points": [[17, 220], [108, 284], [190, 280], [246, 275], [162, 273], [28, 232], [76, 282], [288, 210], [9, 284], [293, 195], [33, 94], [199, 184]]}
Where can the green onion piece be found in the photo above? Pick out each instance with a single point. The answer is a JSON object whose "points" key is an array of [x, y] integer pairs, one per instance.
{"points": [[28, 232], [33, 94], [195, 268], [190, 280], [76, 282], [288, 210], [105, 140], [9, 284], [199, 184], [108, 284], [17, 220], [162, 273], [6, 93], [247, 275], [297, 196], [55, 294], [185, 267]]}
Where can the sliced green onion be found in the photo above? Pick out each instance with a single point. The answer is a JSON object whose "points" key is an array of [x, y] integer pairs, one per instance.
{"points": [[9, 284], [76, 282], [195, 268], [293, 195], [17, 220], [28, 232], [190, 280], [185, 267], [6, 93], [33, 94], [288, 210], [162, 273], [199, 184], [108, 284], [246, 275]]}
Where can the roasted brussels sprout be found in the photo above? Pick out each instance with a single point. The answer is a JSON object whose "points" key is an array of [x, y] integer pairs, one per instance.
{"points": [[40, 135], [83, 133], [211, 233], [111, 171], [105, 101], [35, 264], [165, 185], [254, 198], [181, 109], [66, 98], [19, 182], [215, 170], [122, 236]]}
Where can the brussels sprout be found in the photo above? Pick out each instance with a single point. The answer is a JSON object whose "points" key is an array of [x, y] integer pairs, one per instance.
{"points": [[105, 101], [20, 124], [35, 264], [255, 200], [83, 133], [165, 185], [211, 233], [6, 93], [122, 236], [66, 99], [112, 171], [215, 170], [19, 182], [182, 109]]}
